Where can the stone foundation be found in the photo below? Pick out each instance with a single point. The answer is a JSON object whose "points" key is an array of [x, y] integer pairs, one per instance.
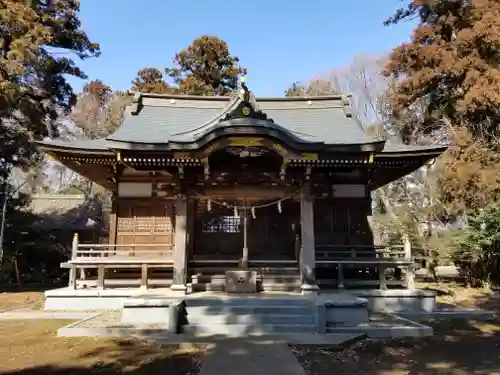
{"points": [[398, 300]]}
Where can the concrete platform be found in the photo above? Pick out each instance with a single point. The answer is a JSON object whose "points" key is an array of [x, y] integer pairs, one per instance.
{"points": [[397, 300], [162, 335], [386, 325], [341, 309], [93, 298]]}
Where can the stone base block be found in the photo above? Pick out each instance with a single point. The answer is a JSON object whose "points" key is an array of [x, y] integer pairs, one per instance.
{"points": [[178, 290], [308, 289], [344, 309], [241, 281]]}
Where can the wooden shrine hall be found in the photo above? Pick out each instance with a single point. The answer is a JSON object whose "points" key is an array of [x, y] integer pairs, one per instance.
{"points": [[203, 187]]}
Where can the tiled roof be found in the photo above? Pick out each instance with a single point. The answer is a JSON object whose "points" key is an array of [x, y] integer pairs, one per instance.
{"points": [[167, 118]]}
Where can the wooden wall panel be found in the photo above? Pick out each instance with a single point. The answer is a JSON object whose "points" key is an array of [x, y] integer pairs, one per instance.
{"points": [[147, 221], [342, 222]]}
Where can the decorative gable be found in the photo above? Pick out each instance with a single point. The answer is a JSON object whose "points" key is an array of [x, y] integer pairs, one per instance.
{"points": [[246, 108]]}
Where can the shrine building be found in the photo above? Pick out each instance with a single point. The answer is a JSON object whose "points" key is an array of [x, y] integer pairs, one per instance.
{"points": [[204, 185]]}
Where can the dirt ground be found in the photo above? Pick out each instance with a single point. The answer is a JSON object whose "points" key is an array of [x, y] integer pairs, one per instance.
{"points": [[17, 298], [31, 348], [453, 295], [459, 347]]}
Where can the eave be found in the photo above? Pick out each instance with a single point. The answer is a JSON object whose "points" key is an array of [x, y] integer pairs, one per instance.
{"points": [[391, 166]]}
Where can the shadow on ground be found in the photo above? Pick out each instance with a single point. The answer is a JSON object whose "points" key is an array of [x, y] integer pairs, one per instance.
{"points": [[30, 347], [180, 364], [459, 347]]}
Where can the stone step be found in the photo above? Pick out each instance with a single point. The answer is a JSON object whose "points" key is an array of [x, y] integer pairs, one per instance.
{"points": [[268, 279], [250, 300], [211, 270], [249, 310], [288, 286], [220, 278], [235, 330], [251, 319]]}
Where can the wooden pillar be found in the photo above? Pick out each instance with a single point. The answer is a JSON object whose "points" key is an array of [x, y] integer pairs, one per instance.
{"points": [[381, 277], [308, 248], [179, 254], [113, 221], [340, 276]]}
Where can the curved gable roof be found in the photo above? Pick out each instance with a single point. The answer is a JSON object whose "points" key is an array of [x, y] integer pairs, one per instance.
{"points": [[169, 119]]}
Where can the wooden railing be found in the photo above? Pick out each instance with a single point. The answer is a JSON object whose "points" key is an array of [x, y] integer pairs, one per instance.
{"points": [[105, 256], [363, 253], [118, 253], [382, 257], [121, 252]]}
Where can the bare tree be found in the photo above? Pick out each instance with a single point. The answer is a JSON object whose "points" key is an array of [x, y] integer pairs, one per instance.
{"points": [[363, 79], [409, 200]]}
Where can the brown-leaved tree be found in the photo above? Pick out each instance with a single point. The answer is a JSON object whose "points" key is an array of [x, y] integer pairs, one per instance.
{"points": [[150, 80], [451, 65]]}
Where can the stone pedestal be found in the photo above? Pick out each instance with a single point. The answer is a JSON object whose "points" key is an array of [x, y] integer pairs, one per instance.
{"points": [[178, 290], [343, 309], [241, 281], [309, 289]]}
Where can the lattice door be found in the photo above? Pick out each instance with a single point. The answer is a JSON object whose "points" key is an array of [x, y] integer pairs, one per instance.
{"points": [[218, 232], [150, 223]]}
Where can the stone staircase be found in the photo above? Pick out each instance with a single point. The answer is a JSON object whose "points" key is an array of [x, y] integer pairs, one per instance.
{"points": [[246, 315], [284, 278]]}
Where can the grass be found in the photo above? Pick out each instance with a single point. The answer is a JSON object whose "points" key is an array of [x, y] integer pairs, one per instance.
{"points": [[30, 347], [459, 347]]}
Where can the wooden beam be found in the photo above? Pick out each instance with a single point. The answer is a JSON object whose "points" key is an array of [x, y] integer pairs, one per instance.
{"points": [[238, 192]]}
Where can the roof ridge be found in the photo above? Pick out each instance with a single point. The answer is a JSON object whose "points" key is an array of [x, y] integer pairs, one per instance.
{"points": [[139, 95]]}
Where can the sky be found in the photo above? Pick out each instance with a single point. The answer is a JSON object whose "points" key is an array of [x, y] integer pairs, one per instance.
{"points": [[278, 41]]}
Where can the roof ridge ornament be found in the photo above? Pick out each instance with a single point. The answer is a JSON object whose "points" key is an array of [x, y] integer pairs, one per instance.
{"points": [[248, 107], [136, 105]]}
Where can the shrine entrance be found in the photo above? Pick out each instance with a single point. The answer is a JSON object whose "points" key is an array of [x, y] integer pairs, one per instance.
{"points": [[271, 231]]}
